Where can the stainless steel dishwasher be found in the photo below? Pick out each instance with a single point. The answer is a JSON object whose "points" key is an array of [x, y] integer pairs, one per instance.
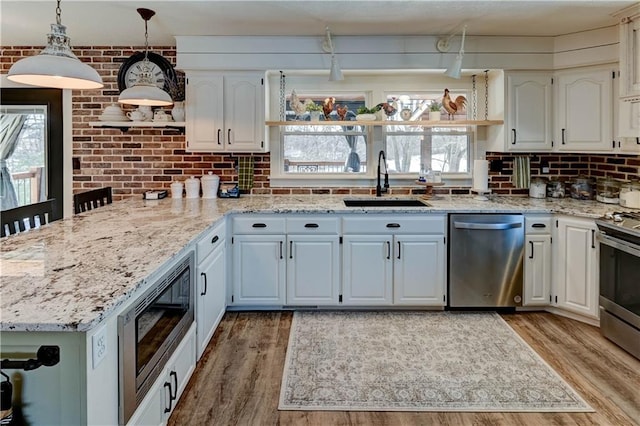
{"points": [[485, 260]]}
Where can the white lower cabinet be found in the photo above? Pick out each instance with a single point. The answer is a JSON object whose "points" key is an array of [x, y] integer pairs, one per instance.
{"points": [[259, 269], [402, 264], [576, 266], [210, 289], [537, 261], [367, 266], [163, 396], [313, 269]]}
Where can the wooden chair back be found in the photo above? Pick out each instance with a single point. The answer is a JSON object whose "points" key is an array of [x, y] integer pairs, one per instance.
{"points": [[35, 215], [92, 199]]}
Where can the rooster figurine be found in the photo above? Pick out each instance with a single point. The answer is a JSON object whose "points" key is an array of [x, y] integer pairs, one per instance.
{"points": [[453, 106], [327, 107], [296, 105], [342, 111]]}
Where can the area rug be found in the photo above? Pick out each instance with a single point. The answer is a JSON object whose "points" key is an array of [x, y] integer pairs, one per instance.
{"points": [[417, 361]]}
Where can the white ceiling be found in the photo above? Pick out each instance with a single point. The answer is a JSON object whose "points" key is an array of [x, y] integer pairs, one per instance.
{"points": [[100, 22]]}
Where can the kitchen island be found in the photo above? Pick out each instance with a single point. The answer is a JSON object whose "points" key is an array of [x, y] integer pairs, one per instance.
{"points": [[65, 283]]}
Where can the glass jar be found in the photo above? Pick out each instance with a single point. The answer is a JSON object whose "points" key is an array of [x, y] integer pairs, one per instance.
{"points": [[608, 190], [582, 188], [630, 194], [555, 189], [537, 188]]}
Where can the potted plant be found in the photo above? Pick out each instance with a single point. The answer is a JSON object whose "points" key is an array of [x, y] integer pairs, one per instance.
{"points": [[434, 110], [314, 110], [366, 114]]}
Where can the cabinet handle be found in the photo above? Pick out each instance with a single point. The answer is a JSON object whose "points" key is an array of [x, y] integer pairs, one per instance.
{"points": [[398, 249], [259, 225], [393, 225], [388, 250], [637, 141], [280, 249], [219, 143], [175, 380], [531, 255], [204, 291], [290, 249], [168, 410], [513, 141], [593, 238], [214, 239], [229, 136], [563, 131], [538, 225], [311, 225]]}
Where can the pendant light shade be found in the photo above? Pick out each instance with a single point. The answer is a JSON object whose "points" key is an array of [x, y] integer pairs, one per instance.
{"points": [[455, 69], [335, 73], [56, 66], [144, 91]]}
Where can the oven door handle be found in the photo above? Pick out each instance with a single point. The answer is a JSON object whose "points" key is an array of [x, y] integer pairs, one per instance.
{"points": [[618, 244]]}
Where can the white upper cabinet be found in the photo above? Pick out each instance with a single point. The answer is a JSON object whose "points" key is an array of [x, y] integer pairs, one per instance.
{"points": [[584, 110], [225, 112], [630, 51], [529, 112]]}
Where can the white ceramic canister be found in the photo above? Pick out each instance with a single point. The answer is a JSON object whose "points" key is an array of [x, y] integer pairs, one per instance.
{"points": [[538, 188], [176, 189], [210, 183], [192, 186]]}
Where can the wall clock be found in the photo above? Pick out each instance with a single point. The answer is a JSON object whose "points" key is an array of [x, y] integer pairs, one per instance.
{"points": [[161, 69]]}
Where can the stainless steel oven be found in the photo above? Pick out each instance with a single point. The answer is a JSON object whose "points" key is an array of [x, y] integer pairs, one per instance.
{"points": [[151, 329], [619, 239]]}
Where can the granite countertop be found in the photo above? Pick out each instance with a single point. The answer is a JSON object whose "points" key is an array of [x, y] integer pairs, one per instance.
{"points": [[73, 273]]}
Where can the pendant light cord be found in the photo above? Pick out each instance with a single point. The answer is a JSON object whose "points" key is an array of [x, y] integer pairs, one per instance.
{"points": [[146, 40], [58, 13]]}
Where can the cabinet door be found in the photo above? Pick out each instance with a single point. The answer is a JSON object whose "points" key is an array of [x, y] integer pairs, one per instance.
{"points": [[210, 296], [258, 270], [630, 55], [204, 114], [181, 365], [244, 113], [151, 411], [576, 279], [367, 270], [529, 112], [629, 124], [585, 110], [313, 270], [418, 270], [537, 270]]}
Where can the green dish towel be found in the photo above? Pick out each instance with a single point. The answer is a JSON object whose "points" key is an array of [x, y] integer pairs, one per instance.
{"points": [[245, 173], [521, 172]]}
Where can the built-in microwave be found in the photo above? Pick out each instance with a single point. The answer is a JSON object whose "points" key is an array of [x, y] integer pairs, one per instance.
{"points": [[151, 329]]}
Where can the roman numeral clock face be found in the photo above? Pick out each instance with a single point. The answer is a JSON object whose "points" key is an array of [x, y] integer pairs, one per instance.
{"points": [[161, 70]]}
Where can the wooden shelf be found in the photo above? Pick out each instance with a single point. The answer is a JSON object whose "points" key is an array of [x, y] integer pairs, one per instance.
{"points": [[126, 125], [440, 123]]}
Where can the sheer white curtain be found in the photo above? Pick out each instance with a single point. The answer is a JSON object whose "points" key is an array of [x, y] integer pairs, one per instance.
{"points": [[10, 127]]}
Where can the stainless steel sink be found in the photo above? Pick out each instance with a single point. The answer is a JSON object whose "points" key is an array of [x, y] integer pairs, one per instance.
{"points": [[384, 202]]}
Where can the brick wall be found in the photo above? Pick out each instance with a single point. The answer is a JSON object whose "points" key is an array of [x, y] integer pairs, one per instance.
{"points": [[138, 160]]}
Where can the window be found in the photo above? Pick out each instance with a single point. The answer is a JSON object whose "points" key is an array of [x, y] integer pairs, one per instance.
{"points": [[324, 149], [410, 147]]}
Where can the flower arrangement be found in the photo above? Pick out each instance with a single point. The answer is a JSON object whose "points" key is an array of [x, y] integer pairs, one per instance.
{"points": [[175, 88], [312, 106], [435, 106]]}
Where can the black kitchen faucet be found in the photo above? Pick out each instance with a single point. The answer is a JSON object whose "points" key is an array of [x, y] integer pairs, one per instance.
{"points": [[380, 189]]}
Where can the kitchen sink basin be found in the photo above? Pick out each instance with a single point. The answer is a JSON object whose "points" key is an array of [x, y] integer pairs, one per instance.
{"points": [[384, 202]]}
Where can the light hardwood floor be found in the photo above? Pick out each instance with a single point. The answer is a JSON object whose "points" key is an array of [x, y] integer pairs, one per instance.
{"points": [[237, 381]]}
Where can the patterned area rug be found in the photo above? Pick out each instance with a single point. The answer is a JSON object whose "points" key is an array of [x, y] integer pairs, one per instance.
{"points": [[417, 361]]}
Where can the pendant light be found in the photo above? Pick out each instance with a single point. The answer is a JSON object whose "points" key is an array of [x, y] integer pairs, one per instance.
{"points": [[56, 66], [144, 91], [335, 73], [455, 69]]}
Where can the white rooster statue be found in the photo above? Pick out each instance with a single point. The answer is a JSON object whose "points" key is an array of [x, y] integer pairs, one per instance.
{"points": [[297, 106]]}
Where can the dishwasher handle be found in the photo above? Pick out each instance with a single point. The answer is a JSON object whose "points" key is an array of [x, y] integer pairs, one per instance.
{"points": [[487, 226]]}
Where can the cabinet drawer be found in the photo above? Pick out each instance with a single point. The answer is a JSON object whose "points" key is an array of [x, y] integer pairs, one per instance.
{"points": [[537, 225], [259, 225], [210, 240], [313, 225], [358, 224]]}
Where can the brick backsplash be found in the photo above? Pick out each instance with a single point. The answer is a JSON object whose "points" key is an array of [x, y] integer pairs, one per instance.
{"points": [[142, 159]]}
